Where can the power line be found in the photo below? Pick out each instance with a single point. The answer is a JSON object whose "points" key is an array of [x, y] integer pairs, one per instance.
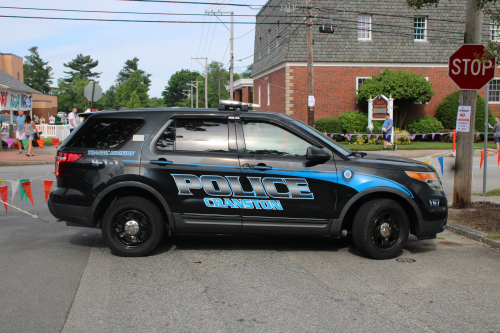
{"points": [[200, 3], [210, 46], [245, 34], [246, 57], [201, 39]]}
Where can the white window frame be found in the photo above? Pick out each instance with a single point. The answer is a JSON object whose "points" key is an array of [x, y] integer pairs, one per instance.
{"points": [[357, 81], [498, 89], [415, 28], [268, 94], [363, 25], [494, 31], [259, 95]]}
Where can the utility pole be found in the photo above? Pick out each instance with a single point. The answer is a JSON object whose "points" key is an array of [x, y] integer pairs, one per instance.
{"points": [[191, 92], [206, 82], [196, 87], [231, 40], [219, 87], [465, 140], [310, 74]]}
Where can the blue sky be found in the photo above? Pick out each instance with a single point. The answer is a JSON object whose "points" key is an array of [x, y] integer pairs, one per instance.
{"points": [[162, 48]]}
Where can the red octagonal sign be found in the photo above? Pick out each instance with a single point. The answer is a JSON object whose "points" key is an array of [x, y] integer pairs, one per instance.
{"points": [[466, 70]]}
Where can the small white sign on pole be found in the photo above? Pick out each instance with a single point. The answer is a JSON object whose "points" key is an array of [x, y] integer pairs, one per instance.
{"points": [[311, 101], [463, 119]]}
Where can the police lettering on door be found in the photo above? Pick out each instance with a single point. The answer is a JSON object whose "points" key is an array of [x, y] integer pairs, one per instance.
{"points": [[229, 190]]}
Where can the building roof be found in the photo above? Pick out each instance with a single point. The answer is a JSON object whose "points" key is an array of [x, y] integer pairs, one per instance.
{"points": [[243, 82], [391, 39], [9, 82]]}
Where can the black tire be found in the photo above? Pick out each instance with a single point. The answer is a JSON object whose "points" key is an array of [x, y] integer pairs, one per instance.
{"points": [[132, 227], [380, 228]]}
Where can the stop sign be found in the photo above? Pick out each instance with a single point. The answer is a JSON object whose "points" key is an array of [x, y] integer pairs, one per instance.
{"points": [[466, 70]]}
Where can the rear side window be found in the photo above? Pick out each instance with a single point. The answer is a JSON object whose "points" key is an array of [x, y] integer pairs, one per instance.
{"points": [[108, 133], [196, 134]]}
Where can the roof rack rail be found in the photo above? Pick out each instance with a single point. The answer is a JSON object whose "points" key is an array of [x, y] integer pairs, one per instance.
{"points": [[235, 105]]}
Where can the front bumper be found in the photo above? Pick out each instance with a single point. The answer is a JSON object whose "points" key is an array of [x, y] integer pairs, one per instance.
{"points": [[429, 229], [71, 213]]}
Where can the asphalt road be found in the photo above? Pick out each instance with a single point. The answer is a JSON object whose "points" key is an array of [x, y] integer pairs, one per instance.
{"points": [[58, 278]]}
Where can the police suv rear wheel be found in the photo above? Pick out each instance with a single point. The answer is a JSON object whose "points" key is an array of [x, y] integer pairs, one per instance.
{"points": [[132, 227], [380, 228]]}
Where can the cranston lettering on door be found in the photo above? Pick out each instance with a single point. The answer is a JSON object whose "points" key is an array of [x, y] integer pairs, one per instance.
{"points": [[262, 196]]}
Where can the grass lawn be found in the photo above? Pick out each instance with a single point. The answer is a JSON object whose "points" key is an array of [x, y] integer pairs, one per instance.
{"points": [[413, 146], [492, 193]]}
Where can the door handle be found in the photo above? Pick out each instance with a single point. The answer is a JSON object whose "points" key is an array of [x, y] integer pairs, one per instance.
{"points": [[260, 166], [161, 161]]}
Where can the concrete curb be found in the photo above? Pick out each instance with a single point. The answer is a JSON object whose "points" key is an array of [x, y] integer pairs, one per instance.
{"points": [[472, 234], [7, 163]]}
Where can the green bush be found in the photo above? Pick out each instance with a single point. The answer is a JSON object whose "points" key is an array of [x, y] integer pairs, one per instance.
{"points": [[424, 124], [377, 127], [330, 125], [448, 109], [354, 122]]}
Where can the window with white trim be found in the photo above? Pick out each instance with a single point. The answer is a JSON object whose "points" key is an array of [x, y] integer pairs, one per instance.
{"points": [[364, 27], [259, 95], [360, 81], [268, 94], [420, 28], [494, 93], [494, 31]]}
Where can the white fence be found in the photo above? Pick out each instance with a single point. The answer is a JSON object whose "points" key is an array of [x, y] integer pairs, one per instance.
{"points": [[48, 131]]}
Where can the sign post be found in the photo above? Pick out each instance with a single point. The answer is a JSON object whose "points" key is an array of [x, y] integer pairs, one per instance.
{"points": [[467, 70], [93, 92], [485, 138]]}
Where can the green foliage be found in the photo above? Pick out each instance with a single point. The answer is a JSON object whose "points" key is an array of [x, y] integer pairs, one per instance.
{"points": [[178, 82], [134, 101], [424, 124], [37, 74], [70, 95], [448, 109], [109, 100], [155, 102], [405, 87], [82, 65], [329, 124], [354, 121], [132, 66], [248, 72], [124, 92]]}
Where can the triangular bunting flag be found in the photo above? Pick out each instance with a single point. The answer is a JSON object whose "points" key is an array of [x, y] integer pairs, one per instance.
{"points": [[397, 136], [342, 134], [440, 159], [40, 143], [359, 136], [473, 150], [414, 136], [3, 194], [1, 181], [350, 136], [482, 159], [428, 162], [378, 136], [10, 142], [442, 134], [499, 160], [369, 136], [423, 135], [47, 185], [433, 135], [27, 190], [325, 133], [55, 142], [25, 144], [331, 135], [477, 136], [14, 185], [23, 192], [406, 136]]}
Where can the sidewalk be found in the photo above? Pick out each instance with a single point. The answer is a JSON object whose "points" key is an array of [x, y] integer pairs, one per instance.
{"points": [[11, 157], [495, 199]]}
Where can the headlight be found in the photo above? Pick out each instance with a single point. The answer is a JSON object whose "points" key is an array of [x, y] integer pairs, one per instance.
{"points": [[431, 178]]}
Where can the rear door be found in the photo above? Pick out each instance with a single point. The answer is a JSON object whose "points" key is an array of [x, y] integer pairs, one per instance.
{"points": [[190, 161], [289, 194]]}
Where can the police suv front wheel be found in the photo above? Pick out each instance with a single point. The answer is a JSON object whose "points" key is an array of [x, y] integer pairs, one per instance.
{"points": [[380, 228], [132, 227]]}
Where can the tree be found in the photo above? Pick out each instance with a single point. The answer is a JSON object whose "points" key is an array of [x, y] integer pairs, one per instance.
{"points": [[83, 66], [248, 72], [405, 87], [132, 66], [109, 98], [155, 102], [134, 102], [37, 74], [178, 82], [124, 92]]}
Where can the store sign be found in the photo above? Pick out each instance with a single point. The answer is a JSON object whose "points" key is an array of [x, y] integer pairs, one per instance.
{"points": [[14, 101], [379, 107], [463, 119]]}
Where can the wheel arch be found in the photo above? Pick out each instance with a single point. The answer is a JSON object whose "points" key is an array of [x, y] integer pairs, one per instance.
{"points": [[346, 216], [130, 188]]}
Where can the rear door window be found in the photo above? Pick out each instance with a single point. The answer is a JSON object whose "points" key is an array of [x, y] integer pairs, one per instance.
{"points": [[196, 134], [108, 133]]}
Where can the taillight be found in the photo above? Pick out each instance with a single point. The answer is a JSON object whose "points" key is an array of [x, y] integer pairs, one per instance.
{"points": [[64, 158]]}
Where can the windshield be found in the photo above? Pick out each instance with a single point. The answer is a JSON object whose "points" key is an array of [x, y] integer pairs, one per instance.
{"points": [[325, 138]]}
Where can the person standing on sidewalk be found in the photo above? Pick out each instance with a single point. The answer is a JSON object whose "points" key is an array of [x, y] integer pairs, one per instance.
{"points": [[496, 129], [29, 130], [387, 131], [72, 120], [18, 127]]}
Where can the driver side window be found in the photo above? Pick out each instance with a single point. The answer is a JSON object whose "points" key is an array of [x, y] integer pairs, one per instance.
{"points": [[264, 138]]}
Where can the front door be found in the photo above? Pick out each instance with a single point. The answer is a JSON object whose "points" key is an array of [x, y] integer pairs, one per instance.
{"points": [[191, 157], [288, 193]]}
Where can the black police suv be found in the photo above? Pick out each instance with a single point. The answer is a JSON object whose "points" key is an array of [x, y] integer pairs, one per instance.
{"points": [[138, 173]]}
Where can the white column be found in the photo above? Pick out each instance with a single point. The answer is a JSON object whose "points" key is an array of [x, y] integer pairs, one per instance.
{"points": [[390, 109], [370, 114]]}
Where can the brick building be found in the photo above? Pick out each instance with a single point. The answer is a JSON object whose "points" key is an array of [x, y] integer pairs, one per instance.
{"points": [[369, 37]]}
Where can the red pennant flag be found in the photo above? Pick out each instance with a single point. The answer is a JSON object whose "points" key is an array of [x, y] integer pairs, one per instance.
{"points": [[499, 160], [47, 185], [27, 189], [55, 142], [40, 143], [3, 194], [482, 159]]}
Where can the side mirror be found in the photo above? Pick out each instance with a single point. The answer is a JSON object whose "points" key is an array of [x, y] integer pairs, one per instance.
{"points": [[316, 154]]}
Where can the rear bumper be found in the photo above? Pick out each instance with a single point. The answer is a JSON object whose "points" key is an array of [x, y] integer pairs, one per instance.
{"points": [[70, 213], [429, 229]]}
